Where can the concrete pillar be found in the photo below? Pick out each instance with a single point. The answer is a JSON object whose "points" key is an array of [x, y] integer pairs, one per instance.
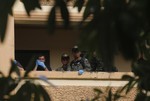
{"points": [[7, 47]]}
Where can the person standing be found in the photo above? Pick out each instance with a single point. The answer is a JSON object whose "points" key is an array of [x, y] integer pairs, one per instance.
{"points": [[79, 63], [65, 59]]}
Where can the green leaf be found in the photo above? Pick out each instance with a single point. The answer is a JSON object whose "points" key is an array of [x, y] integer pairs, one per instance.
{"points": [[87, 11], [36, 94], [3, 82], [3, 24], [92, 7], [14, 68], [35, 91], [2, 75], [64, 13], [10, 5], [25, 92], [127, 77], [123, 88], [109, 97], [11, 87], [44, 93], [117, 96], [147, 98], [98, 91], [132, 82], [61, 4], [31, 65], [7, 84], [52, 20], [79, 4], [97, 97], [140, 97], [31, 5]]}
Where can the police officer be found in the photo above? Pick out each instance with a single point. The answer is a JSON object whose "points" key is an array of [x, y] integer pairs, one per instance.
{"points": [[96, 64], [65, 59], [79, 63]]}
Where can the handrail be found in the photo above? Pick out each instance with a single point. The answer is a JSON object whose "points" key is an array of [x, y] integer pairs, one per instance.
{"points": [[74, 75]]}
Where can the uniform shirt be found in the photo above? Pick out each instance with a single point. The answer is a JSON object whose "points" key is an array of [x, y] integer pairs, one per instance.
{"points": [[81, 64], [64, 68], [96, 64]]}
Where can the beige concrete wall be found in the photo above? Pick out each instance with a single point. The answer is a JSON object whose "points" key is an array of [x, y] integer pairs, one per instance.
{"points": [[79, 93], [7, 47], [69, 86]]}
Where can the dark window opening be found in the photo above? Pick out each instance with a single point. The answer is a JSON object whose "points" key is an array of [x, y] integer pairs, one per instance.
{"points": [[25, 56]]}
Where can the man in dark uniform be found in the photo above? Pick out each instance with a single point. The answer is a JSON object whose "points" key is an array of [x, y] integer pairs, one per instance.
{"points": [[79, 63], [40, 64], [65, 59], [96, 63]]}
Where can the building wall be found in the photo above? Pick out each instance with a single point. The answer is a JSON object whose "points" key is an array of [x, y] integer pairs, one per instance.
{"points": [[69, 86], [84, 93], [7, 47], [36, 37], [122, 64], [55, 43]]}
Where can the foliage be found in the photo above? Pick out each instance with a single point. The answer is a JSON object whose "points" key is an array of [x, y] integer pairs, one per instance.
{"points": [[106, 95], [141, 79], [115, 26], [5, 9], [29, 90]]}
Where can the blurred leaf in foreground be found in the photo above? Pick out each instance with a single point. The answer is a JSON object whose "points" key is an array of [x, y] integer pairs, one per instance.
{"points": [[31, 5], [5, 9]]}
